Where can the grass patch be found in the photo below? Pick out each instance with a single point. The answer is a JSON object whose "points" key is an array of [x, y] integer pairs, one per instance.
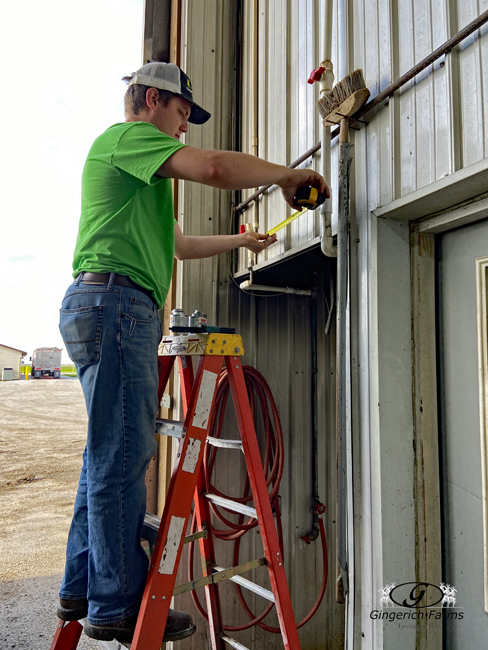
{"points": [[66, 369], [69, 370]]}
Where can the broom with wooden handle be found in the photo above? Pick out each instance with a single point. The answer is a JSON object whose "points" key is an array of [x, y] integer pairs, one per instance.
{"points": [[345, 99]]}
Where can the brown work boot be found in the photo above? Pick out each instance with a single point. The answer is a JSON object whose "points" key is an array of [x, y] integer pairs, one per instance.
{"points": [[179, 625], [72, 610]]}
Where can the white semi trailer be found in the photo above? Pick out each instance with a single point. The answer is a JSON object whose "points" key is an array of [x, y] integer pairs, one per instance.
{"points": [[46, 362]]}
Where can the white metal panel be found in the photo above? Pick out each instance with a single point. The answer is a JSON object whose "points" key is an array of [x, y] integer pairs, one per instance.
{"points": [[484, 74], [470, 86], [405, 149], [425, 133], [288, 122], [443, 122], [415, 145], [434, 125], [201, 207], [424, 128]]}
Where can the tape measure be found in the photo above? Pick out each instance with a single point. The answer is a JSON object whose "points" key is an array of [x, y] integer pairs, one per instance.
{"points": [[309, 197]]}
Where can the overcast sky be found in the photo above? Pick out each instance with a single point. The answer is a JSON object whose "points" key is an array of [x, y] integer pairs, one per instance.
{"points": [[62, 65]]}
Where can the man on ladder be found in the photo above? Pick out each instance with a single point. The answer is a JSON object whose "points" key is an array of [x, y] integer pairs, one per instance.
{"points": [[109, 321]]}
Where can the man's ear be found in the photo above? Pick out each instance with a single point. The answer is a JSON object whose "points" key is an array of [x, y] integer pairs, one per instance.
{"points": [[152, 98]]}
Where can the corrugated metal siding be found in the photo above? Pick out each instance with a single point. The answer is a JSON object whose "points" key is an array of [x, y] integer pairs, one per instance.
{"points": [[277, 342], [275, 330], [208, 58], [436, 124], [288, 124], [472, 80]]}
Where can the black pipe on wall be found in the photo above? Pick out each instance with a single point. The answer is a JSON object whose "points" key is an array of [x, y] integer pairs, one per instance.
{"points": [[314, 533]]}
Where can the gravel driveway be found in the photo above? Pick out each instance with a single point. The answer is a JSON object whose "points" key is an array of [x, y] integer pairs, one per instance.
{"points": [[42, 437]]}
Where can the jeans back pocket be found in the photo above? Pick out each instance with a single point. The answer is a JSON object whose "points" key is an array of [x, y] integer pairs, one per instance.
{"points": [[81, 330], [142, 311]]}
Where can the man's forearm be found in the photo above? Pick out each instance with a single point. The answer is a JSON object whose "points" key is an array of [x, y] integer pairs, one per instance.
{"points": [[229, 170], [225, 170], [193, 248], [234, 170]]}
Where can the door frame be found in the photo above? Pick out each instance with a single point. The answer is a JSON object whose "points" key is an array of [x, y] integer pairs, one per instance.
{"points": [[462, 201]]}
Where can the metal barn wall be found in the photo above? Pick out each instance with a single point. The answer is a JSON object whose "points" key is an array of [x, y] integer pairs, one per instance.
{"points": [[436, 124], [288, 38], [432, 128], [276, 335]]}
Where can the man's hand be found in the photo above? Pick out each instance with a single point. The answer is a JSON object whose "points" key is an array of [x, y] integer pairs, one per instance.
{"points": [[192, 248], [297, 178], [256, 242]]}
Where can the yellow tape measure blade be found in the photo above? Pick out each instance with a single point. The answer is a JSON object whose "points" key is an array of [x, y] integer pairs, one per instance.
{"points": [[284, 223]]}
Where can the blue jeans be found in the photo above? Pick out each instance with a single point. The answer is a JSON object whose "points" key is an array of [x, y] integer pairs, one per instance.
{"points": [[112, 334]]}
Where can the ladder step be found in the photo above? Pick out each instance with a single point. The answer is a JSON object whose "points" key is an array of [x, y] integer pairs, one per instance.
{"points": [[172, 428], [232, 642], [225, 444], [234, 506], [152, 521], [250, 586], [115, 645], [150, 530]]}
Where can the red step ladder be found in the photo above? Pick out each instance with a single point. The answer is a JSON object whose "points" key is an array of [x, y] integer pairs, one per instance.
{"points": [[186, 487]]}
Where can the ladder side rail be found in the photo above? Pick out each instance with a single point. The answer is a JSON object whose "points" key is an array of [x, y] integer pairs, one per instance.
{"points": [[202, 513], [185, 365], [161, 579], [259, 488], [67, 635], [165, 366]]}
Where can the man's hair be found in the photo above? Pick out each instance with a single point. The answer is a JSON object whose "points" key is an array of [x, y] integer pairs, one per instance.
{"points": [[135, 97]]}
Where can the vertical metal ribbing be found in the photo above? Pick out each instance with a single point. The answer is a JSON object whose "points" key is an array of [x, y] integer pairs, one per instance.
{"points": [[269, 536]]}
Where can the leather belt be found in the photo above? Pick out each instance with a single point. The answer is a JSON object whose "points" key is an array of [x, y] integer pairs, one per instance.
{"points": [[122, 280]]}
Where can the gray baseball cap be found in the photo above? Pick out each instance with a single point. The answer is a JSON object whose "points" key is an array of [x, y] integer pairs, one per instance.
{"points": [[168, 76]]}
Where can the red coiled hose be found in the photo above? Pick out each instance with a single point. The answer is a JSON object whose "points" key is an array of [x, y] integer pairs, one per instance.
{"points": [[259, 393]]}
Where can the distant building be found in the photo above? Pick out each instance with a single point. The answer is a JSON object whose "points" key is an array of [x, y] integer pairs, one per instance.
{"points": [[11, 358]]}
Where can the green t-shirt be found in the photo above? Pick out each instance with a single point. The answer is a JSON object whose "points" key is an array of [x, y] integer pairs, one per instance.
{"points": [[127, 220]]}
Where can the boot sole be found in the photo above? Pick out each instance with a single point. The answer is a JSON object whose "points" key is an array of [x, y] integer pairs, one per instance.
{"points": [[71, 614], [108, 633], [124, 634], [178, 636]]}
